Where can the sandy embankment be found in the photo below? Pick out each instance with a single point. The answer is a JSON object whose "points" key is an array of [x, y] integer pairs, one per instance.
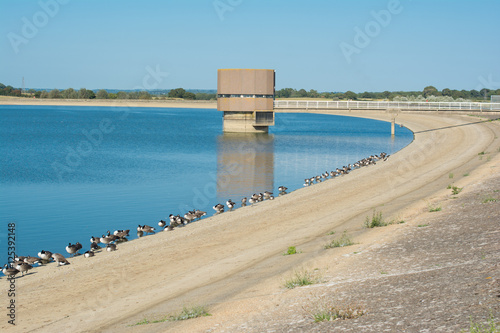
{"points": [[5, 100], [237, 256]]}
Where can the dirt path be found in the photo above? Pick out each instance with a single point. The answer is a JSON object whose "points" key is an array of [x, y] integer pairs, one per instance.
{"points": [[232, 261]]}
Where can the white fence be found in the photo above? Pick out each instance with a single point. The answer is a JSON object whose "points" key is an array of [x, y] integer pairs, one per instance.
{"points": [[377, 105]]}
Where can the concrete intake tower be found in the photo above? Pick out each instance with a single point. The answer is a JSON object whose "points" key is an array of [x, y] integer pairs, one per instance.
{"points": [[246, 98]]}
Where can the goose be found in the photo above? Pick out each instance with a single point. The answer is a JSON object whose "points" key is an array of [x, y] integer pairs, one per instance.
{"points": [[199, 213], [111, 247], [60, 259], [162, 224], [9, 271], [267, 194], [244, 202], [140, 233], [260, 197], [89, 254], [95, 239], [219, 208], [230, 204], [252, 200], [146, 229], [121, 233], [106, 239], [94, 246], [23, 267], [189, 217], [45, 255], [19, 258], [31, 260], [271, 197], [170, 228], [73, 248], [282, 189]]}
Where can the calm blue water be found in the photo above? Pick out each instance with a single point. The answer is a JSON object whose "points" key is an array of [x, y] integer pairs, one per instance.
{"points": [[68, 173]]}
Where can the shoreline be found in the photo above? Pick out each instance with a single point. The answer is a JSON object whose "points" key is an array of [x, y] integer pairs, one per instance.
{"points": [[4, 100], [209, 263]]}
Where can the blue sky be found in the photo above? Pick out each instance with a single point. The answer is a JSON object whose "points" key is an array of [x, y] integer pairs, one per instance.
{"points": [[327, 45]]}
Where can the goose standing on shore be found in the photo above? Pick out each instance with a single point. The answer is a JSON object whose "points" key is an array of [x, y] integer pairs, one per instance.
{"points": [[23, 267], [73, 248], [9, 271], [162, 224], [146, 229], [219, 208], [45, 255], [244, 202], [60, 259], [230, 204]]}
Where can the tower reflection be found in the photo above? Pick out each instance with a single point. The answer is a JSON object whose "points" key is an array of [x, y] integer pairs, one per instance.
{"points": [[245, 164]]}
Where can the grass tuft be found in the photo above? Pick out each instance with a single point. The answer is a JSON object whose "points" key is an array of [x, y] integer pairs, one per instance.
{"points": [[326, 309], [435, 208], [344, 240], [376, 220], [450, 175], [186, 313], [291, 250], [301, 278], [422, 225], [489, 198], [455, 190], [489, 327]]}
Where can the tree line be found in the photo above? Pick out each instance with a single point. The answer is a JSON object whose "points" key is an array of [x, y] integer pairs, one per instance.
{"points": [[429, 93]]}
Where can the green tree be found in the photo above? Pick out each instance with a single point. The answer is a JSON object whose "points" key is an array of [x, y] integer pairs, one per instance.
{"points": [[176, 93], [55, 93], [446, 92], [121, 95], [69, 93], [350, 95], [189, 95], [430, 90], [144, 95], [102, 94], [86, 94]]}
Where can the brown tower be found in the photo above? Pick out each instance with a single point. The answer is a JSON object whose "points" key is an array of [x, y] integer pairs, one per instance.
{"points": [[246, 97]]}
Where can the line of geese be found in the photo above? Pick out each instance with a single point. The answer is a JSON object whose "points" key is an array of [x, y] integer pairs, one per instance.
{"points": [[346, 169], [22, 264]]}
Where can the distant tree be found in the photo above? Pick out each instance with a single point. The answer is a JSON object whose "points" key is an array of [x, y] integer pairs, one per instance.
{"points": [[189, 95], [430, 90], [121, 95], [484, 93], [31, 91], [37, 94], [302, 93], [285, 92], [112, 96], [69, 93], [55, 93], [313, 93], [386, 94], [44, 94], [446, 92], [86, 94], [176, 93], [144, 95], [102, 94], [2, 86], [350, 95]]}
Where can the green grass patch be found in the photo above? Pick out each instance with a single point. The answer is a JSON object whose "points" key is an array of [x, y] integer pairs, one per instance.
{"points": [[186, 313], [291, 250], [331, 233], [422, 225], [489, 327], [435, 208], [376, 220], [488, 199], [455, 190], [326, 309], [466, 174], [344, 240], [301, 278], [450, 175]]}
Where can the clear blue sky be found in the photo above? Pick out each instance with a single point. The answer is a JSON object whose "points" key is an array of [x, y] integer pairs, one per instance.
{"points": [[311, 44]]}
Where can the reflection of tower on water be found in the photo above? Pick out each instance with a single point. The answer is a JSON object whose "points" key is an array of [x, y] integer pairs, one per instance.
{"points": [[245, 164]]}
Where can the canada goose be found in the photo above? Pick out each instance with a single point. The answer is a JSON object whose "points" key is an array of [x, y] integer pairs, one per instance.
{"points": [[9, 271], [45, 255], [89, 254], [267, 194], [121, 233], [260, 197], [219, 208], [252, 200], [189, 217], [31, 260], [140, 233], [199, 213], [244, 202], [230, 204], [146, 229], [162, 224], [94, 246], [73, 248], [271, 197], [95, 239], [60, 259], [105, 239], [282, 189], [170, 228], [111, 247], [23, 267], [19, 258]]}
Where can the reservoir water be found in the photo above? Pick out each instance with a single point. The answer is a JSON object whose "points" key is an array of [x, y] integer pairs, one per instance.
{"points": [[69, 173]]}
